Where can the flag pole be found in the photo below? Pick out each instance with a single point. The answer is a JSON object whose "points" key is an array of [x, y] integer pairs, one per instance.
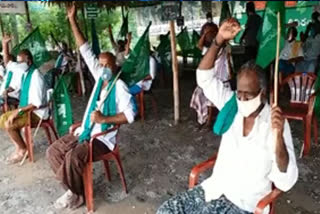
{"points": [[276, 69], [175, 73]]}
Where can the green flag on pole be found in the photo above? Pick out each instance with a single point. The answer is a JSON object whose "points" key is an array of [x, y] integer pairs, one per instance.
{"points": [[164, 52], [62, 107], [35, 43], [184, 42], [95, 38], [268, 35], [196, 52], [136, 67], [225, 12], [125, 25]]}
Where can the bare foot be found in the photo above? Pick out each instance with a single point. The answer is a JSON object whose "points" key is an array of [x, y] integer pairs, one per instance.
{"points": [[15, 157]]}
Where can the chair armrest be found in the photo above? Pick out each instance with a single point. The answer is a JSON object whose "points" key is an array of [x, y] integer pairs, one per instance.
{"points": [[74, 126], [104, 133], [268, 199], [198, 169]]}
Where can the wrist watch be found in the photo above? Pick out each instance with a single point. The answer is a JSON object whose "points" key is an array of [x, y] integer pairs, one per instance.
{"points": [[214, 41]]}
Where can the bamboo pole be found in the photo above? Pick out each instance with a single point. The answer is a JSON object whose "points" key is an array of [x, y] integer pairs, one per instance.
{"points": [[276, 69], [175, 73], [276, 72], [29, 27]]}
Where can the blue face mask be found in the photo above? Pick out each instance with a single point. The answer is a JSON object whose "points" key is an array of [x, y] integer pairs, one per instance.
{"points": [[106, 74]]}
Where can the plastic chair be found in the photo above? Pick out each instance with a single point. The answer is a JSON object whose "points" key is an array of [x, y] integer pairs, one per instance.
{"points": [[46, 125], [209, 164], [88, 170], [140, 100], [301, 106]]}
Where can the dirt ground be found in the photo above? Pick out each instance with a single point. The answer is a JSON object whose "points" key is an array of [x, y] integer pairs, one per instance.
{"points": [[157, 157]]}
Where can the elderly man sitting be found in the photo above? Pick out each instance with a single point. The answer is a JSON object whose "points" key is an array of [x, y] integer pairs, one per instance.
{"points": [[68, 155], [32, 96], [250, 159]]}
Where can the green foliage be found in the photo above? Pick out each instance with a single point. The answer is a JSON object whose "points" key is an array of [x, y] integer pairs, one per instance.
{"points": [[53, 19]]}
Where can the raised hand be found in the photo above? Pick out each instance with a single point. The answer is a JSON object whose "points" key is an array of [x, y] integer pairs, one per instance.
{"points": [[71, 10], [6, 39], [228, 30]]}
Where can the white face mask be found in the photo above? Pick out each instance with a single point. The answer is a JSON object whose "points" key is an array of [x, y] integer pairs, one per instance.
{"points": [[209, 20], [246, 108]]}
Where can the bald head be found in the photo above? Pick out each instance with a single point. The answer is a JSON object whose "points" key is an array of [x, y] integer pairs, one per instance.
{"points": [[107, 59]]}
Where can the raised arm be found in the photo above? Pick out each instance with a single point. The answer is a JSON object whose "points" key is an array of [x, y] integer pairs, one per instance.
{"points": [[127, 48], [5, 46], [201, 41], [212, 87], [228, 30], [72, 13], [114, 44]]}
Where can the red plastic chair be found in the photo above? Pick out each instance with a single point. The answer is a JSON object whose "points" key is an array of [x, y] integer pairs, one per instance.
{"points": [[87, 173], [209, 164], [301, 107], [46, 125], [140, 100]]}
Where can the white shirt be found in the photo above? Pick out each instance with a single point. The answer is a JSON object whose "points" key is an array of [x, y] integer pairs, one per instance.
{"points": [[123, 98], [17, 70], [38, 93], [146, 85], [289, 52], [246, 167]]}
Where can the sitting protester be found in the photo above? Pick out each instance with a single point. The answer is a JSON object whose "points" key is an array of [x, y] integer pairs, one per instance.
{"points": [[32, 95], [250, 159], [10, 86], [146, 83], [311, 46], [291, 53], [68, 155], [121, 48]]}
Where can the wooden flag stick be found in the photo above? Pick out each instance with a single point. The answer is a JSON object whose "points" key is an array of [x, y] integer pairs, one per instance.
{"points": [[276, 69], [175, 73], [276, 73]]}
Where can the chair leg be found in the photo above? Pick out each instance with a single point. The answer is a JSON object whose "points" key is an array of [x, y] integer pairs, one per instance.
{"points": [[107, 170], [154, 105], [141, 105], [88, 187], [120, 169], [46, 130], [53, 129], [307, 137], [315, 129]]}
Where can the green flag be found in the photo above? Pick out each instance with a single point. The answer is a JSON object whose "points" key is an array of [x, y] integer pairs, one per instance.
{"points": [[164, 52], [225, 12], [268, 35], [184, 42], [35, 43], [95, 39], [62, 107], [125, 26], [196, 52], [136, 67]]}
